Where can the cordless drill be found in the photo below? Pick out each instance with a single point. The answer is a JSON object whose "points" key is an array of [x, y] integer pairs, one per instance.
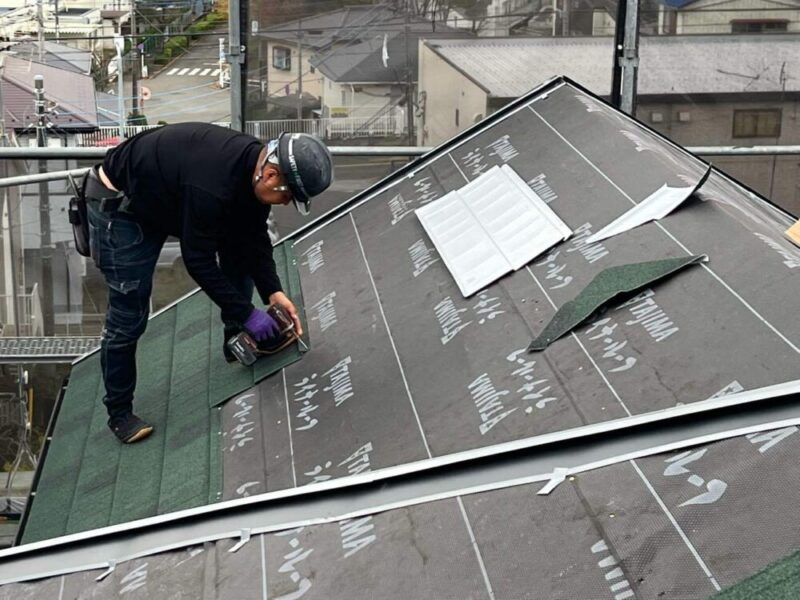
{"points": [[247, 350]]}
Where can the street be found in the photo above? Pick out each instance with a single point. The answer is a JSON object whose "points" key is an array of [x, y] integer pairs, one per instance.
{"points": [[187, 89]]}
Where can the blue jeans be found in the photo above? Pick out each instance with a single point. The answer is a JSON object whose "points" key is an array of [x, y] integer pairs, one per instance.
{"points": [[126, 251]]}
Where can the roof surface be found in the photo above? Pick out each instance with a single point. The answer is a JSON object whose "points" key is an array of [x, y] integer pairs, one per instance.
{"points": [[507, 67], [72, 92], [362, 62], [347, 24], [91, 481], [403, 369], [56, 55]]}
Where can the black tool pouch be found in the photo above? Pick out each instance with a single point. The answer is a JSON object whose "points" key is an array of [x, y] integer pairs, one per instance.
{"points": [[78, 217]]}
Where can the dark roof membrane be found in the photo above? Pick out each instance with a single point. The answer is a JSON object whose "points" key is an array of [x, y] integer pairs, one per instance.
{"points": [[403, 368]]}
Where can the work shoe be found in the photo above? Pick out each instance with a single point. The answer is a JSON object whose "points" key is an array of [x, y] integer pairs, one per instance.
{"points": [[129, 428]]}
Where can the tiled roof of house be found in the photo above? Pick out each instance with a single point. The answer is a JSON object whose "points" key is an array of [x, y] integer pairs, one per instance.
{"points": [[56, 55], [72, 93], [507, 67]]}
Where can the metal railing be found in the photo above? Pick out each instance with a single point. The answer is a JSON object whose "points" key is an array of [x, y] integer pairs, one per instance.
{"points": [[329, 128], [31, 322], [363, 151]]}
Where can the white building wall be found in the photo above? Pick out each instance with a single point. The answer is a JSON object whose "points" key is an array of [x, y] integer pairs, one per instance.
{"points": [[286, 82], [445, 95], [354, 100], [712, 16]]}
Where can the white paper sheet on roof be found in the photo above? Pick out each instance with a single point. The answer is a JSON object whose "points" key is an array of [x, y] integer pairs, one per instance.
{"points": [[656, 206], [490, 226]]}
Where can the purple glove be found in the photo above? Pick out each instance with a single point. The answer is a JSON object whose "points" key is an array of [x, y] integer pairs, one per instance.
{"points": [[261, 326]]}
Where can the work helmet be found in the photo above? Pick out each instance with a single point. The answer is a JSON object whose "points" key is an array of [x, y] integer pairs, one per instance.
{"points": [[306, 165]]}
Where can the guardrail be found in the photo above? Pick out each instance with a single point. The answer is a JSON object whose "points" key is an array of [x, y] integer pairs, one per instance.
{"points": [[328, 128], [364, 151]]}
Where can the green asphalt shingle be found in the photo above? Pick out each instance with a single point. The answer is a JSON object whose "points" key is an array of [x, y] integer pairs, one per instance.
{"points": [[89, 480], [778, 581], [605, 287]]}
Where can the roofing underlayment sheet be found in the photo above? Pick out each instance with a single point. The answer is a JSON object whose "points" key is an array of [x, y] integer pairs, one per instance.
{"points": [[654, 527], [89, 480], [403, 368]]}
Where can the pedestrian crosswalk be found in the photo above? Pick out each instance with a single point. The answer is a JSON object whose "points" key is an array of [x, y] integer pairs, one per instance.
{"points": [[193, 72]]}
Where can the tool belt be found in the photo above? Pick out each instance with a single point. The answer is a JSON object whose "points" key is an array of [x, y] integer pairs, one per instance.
{"points": [[78, 217], [91, 189], [102, 198]]}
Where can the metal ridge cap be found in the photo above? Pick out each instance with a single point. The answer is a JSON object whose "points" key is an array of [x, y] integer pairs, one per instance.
{"points": [[772, 392], [551, 466]]}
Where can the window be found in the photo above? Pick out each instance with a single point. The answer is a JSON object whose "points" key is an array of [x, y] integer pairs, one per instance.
{"points": [[757, 123], [282, 58], [758, 26]]}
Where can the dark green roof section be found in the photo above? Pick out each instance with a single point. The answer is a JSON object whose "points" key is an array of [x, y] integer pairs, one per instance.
{"points": [[610, 284], [778, 581], [89, 480]]}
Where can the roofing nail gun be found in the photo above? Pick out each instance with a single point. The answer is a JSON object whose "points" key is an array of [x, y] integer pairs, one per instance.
{"points": [[247, 350]]}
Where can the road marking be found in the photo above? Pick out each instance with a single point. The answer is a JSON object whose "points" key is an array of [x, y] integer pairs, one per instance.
{"points": [[173, 70], [215, 72], [183, 71], [204, 72], [194, 71]]}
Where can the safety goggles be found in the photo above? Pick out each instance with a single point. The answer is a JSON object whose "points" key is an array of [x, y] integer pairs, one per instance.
{"points": [[271, 157]]}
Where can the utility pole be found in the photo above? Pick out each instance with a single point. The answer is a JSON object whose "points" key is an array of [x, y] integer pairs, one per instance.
{"points": [[44, 211], [135, 66], [409, 92], [299, 69], [119, 44], [221, 63], [40, 27], [237, 14], [629, 57], [58, 38]]}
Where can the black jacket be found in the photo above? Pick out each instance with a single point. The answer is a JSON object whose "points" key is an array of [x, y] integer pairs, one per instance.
{"points": [[194, 181]]}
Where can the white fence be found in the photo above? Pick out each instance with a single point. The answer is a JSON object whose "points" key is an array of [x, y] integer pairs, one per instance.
{"points": [[346, 127]]}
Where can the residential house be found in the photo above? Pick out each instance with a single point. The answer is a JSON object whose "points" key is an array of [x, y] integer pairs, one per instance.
{"points": [[85, 26], [71, 109], [698, 90], [728, 16], [358, 61]]}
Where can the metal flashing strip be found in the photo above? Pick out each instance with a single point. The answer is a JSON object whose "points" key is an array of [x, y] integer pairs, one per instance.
{"points": [[497, 467], [656, 206]]}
